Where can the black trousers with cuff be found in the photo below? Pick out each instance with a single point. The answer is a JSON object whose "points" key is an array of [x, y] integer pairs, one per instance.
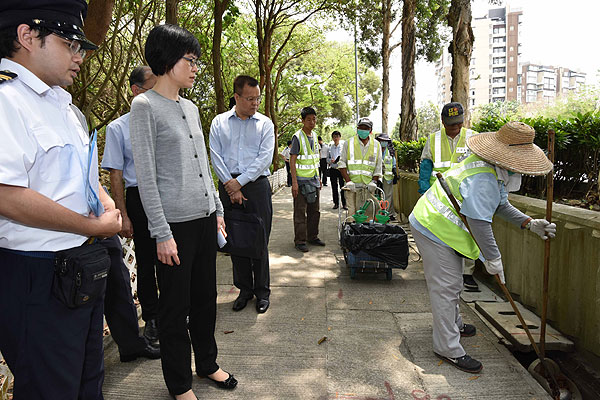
{"points": [[189, 289]]}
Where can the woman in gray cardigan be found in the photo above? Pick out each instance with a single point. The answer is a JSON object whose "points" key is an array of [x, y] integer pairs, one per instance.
{"points": [[183, 209]]}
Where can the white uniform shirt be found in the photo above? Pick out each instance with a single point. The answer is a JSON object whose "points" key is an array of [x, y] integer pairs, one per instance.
{"points": [[117, 150], [43, 146], [324, 150]]}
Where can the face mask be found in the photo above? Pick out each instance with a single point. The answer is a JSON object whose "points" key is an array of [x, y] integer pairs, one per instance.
{"points": [[363, 133]]}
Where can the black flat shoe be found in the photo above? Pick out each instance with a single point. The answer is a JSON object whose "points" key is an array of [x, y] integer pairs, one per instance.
{"points": [[229, 383], [151, 330]]}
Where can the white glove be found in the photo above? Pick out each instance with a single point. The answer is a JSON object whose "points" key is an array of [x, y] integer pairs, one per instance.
{"points": [[372, 186], [351, 186], [494, 267], [542, 228]]}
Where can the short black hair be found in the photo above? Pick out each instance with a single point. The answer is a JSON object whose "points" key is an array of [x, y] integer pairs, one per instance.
{"points": [[138, 75], [319, 138], [8, 39], [289, 142], [306, 111], [165, 46], [242, 80], [336, 133]]}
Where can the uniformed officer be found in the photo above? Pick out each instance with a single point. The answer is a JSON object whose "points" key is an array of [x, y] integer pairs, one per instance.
{"points": [[360, 165], [54, 352], [480, 183], [444, 149]]}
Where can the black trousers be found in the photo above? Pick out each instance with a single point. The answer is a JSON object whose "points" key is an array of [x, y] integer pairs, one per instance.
{"points": [[289, 173], [54, 352], [145, 255], [323, 170], [336, 178], [119, 308], [251, 275], [189, 289]]}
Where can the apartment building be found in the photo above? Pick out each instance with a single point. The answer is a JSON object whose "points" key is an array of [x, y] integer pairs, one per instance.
{"points": [[544, 83]]}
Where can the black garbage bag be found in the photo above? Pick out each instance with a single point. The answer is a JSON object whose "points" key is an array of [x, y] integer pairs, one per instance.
{"points": [[389, 243]]}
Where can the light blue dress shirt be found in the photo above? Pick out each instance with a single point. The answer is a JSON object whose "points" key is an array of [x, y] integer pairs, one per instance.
{"points": [[243, 147], [117, 150]]}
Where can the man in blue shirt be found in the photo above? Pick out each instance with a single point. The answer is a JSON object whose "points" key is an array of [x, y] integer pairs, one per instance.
{"points": [[242, 142], [118, 160]]}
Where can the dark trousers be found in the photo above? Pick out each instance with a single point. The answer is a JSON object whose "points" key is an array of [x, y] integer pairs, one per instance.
{"points": [[189, 288], [54, 352], [251, 275], [289, 173], [336, 178], [323, 170], [145, 255], [306, 219], [119, 309]]}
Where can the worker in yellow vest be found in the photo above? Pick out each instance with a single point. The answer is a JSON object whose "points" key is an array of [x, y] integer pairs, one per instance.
{"points": [[306, 184], [389, 177], [480, 183], [443, 149], [360, 166]]}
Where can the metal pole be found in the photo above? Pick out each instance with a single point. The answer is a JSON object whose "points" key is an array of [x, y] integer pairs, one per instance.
{"points": [[356, 70]]}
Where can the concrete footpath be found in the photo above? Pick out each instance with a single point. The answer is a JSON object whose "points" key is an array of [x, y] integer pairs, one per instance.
{"points": [[378, 334]]}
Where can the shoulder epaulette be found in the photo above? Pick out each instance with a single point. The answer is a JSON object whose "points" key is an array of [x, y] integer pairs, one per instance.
{"points": [[6, 76]]}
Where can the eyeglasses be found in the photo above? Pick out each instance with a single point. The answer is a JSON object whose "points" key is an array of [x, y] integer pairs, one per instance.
{"points": [[193, 62], [141, 87], [252, 99], [74, 46]]}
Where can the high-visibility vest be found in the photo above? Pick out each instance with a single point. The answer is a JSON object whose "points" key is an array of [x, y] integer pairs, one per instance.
{"points": [[361, 168], [388, 173], [307, 162], [440, 150], [435, 211]]}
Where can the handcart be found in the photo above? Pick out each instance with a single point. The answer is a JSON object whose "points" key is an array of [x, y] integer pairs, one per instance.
{"points": [[372, 245]]}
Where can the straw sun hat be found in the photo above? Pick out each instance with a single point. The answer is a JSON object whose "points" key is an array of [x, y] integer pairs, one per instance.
{"points": [[511, 148]]}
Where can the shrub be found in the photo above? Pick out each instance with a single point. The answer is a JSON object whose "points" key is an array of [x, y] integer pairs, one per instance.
{"points": [[409, 154]]}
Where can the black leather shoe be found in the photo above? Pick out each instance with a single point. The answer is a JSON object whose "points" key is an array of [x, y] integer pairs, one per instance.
{"points": [[345, 208], [317, 242], [262, 305], [240, 303], [229, 383], [149, 351], [335, 207], [302, 247], [151, 330]]}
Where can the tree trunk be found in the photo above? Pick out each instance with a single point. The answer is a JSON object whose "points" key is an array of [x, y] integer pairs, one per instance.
{"points": [[171, 7], [98, 20], [220, 7], [408, 114], [461, 47], [385, 56]]}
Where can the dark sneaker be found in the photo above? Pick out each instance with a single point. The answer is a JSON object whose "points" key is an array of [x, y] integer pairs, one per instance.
{"points": [[345, 208], [317, 242], [335, 207], [464, 363], [302, 247], [469, 283], [468, 330]]}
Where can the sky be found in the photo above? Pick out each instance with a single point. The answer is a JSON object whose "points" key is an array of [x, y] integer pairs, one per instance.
{"points": [[554, 32]]}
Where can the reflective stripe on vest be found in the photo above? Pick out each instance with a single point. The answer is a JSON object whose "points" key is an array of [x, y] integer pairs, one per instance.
{"points": [[307, 161], [361, 168], [388, 174], [435, 211], [440, 150]]}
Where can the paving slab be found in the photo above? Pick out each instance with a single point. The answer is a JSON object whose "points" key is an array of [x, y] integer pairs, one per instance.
{"points": [[502, 316], [378, 334]]}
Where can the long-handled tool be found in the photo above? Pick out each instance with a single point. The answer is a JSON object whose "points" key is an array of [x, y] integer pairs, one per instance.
{"points": [[549, 198], [555, 388]]}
